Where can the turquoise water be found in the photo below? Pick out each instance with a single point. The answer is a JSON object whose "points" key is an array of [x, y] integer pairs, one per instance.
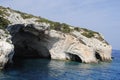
{"points": [[43, 69]]}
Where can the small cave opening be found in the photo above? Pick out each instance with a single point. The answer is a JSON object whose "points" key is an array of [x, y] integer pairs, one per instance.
{"points": [[98, 57], [74, 57], [28, 46]]}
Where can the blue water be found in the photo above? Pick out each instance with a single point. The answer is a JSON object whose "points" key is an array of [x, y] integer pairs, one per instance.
{"points": [[43, 69]]}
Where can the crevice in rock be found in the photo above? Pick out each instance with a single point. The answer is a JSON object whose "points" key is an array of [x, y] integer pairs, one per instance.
{"points": [[74, 57], [98, 57]]}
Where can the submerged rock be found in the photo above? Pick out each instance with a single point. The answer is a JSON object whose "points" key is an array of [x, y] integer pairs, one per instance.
{"points": [[29, 36]]}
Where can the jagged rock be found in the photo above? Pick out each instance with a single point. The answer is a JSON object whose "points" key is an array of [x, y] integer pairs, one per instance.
{"points": [[30, 36], [6, 49]]}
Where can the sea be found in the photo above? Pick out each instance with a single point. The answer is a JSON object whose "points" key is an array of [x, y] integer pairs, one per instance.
{"points": [[45, 69]]}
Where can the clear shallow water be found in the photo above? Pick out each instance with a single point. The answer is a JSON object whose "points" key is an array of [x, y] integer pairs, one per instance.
{"points": [[43, 69]]}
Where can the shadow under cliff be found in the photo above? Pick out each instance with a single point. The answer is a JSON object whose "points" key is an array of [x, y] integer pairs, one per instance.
{"points": [[32, 42], [27, 45]]}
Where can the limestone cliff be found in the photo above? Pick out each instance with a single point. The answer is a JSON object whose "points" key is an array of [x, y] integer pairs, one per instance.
{"points": [[24, 35], [6, 48]]}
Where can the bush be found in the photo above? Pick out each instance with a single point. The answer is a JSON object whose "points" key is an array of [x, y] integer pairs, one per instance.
{"points": [[56, 26], [25, 15], [3, 23], [65, 28], [88, 34], [77, 29], [99, 37], [43, 20], [3, 12]]}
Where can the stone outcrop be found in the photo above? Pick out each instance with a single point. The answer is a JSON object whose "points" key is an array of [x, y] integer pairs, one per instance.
{"points": [[35, 37], [6, 48], [58, 45]]}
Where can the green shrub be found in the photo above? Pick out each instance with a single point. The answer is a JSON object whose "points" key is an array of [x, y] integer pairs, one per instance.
{"points": [[52, 24], [77, 29], [3, 23], [99, 37], [86, 30], [88, 34], [3, 12], [56, 26], [43, 20], [65, 28], [25, 15]]}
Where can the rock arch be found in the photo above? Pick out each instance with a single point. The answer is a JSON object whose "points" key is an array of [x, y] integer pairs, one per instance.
{"points": [[73, 57], [28, 45]]}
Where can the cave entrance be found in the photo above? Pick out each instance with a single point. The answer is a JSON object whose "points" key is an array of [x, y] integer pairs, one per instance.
{"points": [[28, 46], [74, 57], [98, 57]]}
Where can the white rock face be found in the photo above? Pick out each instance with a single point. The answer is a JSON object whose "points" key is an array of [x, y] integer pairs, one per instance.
{"points": [[6, 49], [66, 43], [101, 47], [62, 46]]}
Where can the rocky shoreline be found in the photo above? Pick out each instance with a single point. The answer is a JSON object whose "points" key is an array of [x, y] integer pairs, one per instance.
{"points": [[26, 37]]}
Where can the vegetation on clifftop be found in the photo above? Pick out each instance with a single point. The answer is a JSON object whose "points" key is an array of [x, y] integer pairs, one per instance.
{"points": [[4, 23], [85, 32], [25, 15], [3, 11], [88, 33], [77, 29], [56, 25], [63, 27]]}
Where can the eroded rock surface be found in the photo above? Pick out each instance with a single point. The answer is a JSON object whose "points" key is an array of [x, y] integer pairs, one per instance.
{"points": [[6, 48], [57, 45], [28, 36]]}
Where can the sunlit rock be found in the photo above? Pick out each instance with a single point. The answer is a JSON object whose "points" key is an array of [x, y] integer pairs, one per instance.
{"points": [[24, 36]]}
